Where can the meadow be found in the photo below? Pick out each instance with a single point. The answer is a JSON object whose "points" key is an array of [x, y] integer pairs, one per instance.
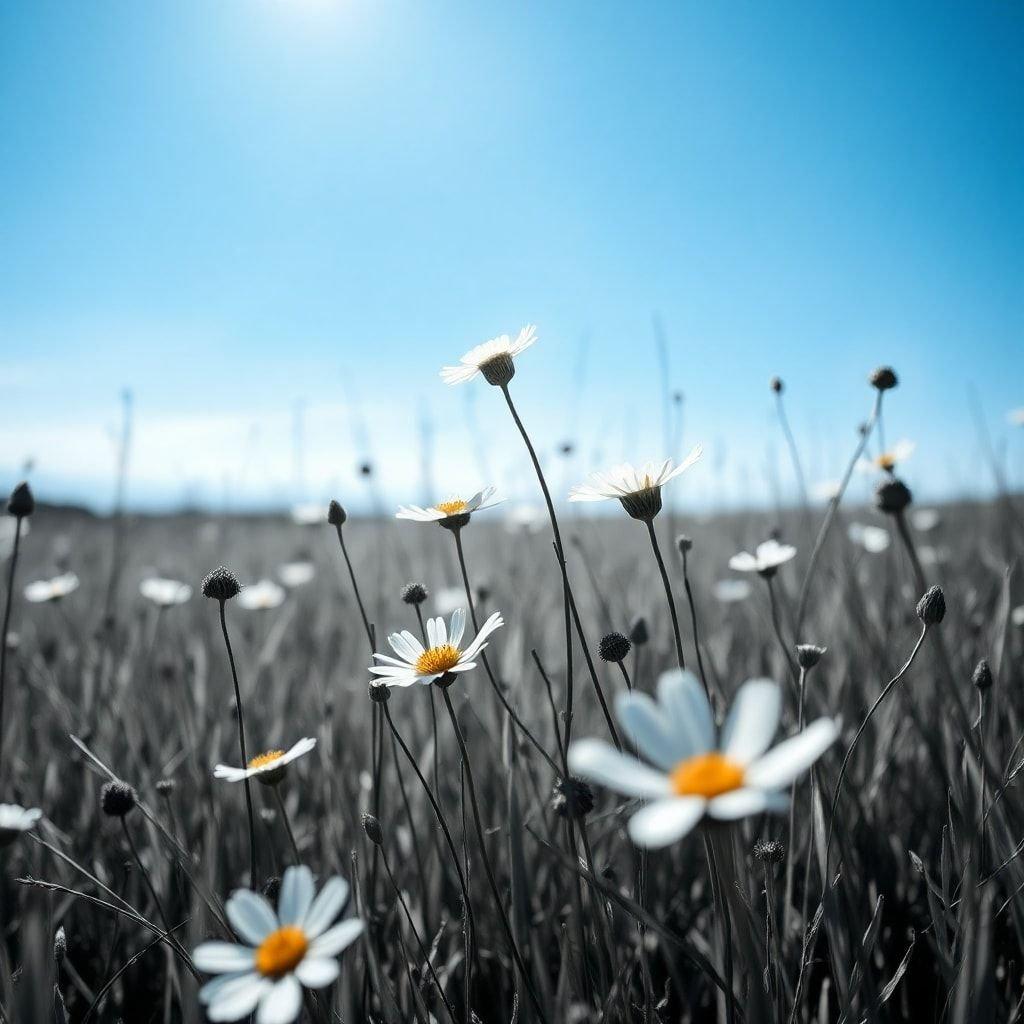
{"points": [[493, 882]]}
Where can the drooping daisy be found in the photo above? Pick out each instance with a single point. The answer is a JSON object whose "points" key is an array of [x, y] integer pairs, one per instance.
{"points": [[15, 821], [766, 559], [493, 359], [454, 512], [888, 460], [261, 596], [164, 592], [268, 768], [442, 660], [873, 539], [282, 952], [639, 490], [296, 574], [696, 772], [52, 589]]}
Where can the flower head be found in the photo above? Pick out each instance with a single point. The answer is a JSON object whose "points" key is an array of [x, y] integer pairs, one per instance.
{"points": [[262, 596], [639, 490], [52, 589], [118, 799], [221, 584], [452, 513], [765, 560], [280, 952], [296, 574], [693, 772], [493, 359], [442, 660], [268, 768], [164, 592], [15, 820], [888, 460]]}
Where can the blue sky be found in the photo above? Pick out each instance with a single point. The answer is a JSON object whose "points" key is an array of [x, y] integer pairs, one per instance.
{"points": [[236, 207]]}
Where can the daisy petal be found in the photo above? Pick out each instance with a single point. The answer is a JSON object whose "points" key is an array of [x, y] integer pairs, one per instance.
{"points": [[221, 957], [682, 698], [335, 939], [665, 821], [781, 765], [296, 897], [602, 763], [326, 907], [281, 1005], [647, 730], [753, 719], [237, 999], [741, 803], [250, 915], [316, 973]]}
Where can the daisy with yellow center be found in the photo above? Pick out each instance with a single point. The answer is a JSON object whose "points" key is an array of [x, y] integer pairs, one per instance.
{"points": [[268, 768], [283, 952], [441, 660], [693, 771], [888, 460], [454, 508]]}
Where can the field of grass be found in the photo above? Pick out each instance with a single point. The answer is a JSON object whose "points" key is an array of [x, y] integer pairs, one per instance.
{"points": [[897, 898]]}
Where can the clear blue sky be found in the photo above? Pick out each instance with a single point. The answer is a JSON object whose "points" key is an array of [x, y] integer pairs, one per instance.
{"points": [[234, 206]]}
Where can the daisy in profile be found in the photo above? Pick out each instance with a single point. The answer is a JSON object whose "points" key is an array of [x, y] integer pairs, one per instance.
{"points": [[873, 539], [888, 460], [16, 821], [51, 590], [280, 954], [296, 574], [164, 593], [442, 660], [454, 512], [638, 490], [765, 560], [268, 768], [262, 596], [493, 359], [693, 769]]}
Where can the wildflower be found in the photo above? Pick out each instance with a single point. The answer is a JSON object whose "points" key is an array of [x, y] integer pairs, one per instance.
{"points": [[448, 599], [638, 632], [268, 768], [494, 359], [873, 539], [729, 591], [118, 799], [371, 826], [164, 593], [261, 596], [931, 609], [775, 383], [221, 584], [282, 952], [614, 647], [296, 574], [884, 378], [808, 655], [414, 593], [693, 776], [638, 490], [452, 513], [889, 459], [21, 503], [925, 519], [439, 662], [684, 544], [826, 490], [15, 821], [572, 798], [51, 590], [526, 518], [308, 514], [765, 560], [165, 787], [378, 693]]}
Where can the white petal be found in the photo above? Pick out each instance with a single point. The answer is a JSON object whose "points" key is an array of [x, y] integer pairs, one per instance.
{"points": [[753, 719], [230, 773], [401, 646], [303, 746], [648, 730], [665, 821], [250, 915], [221, 957], [780, 766], [237, 999], [297, 891], [743, 562], [685, 704], [494, 621], [335, 939], [602, 763], [432, 631], [743, 802], [316, 973], [326, 907], [458, 627], [281, 1005]]}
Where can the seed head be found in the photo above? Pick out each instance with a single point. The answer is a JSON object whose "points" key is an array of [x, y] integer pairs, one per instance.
{"points": [[499, 370], [775, 383], [769, 851], [165, 787], [414, 593], [272, 888], [380, 693], [117, 799], [643, 505], [892, 496], [336, 515], [808, 655], [684, 543], [366, 469], [982, 677], [221, 584], [884, 378], [638, 632], [21, 503], [614, 647], [572, 798], [371, 826], [931, 609], [60, 945]]}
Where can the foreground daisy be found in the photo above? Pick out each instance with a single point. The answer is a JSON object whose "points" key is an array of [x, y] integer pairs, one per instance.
{"points": [[15, 821], [442, 660], [165, 593], [696, 772], [52, 589], [453, 512], [493, 359], [268, 768], [765, 560], [283, 952], [262, 596], [639, 490]]}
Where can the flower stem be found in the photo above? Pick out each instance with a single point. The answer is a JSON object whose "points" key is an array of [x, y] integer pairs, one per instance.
{"points": [[693, 622], [3, 635], [355, 588], [671, 600], [287, 824]]}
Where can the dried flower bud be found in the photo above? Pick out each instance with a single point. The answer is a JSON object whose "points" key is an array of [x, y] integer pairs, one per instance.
{"points": [[221, 584], [21, 503], [271, 888], [808, 655], [117, 799], [572, 798], [499, 370], [614, 647], [644, 504], [414, 593], [931, 609], [638, 632], [982, 676], [884, 378], [892, 496], [60, 945], [380, 693], [775, 383], [165, 787], [769, 851], [336, 515], [371, 826], [684, 543]]}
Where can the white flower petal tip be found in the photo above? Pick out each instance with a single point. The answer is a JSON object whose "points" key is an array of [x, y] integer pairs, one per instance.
{"points": [[626, 481], [766, 558], [53, 589], [273, 763], [164, 593], [502, 349]]}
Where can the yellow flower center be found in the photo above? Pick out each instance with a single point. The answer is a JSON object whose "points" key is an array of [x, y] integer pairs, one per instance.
{"points": [[436, 660], [706, 775], [886, 461], [281, 951], [453, 507], [262, 760]]}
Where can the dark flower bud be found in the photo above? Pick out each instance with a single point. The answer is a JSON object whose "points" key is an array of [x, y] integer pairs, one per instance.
{"points": [[684, 543], [982, 677], [414, 593], [336, 515], [614, 647], [808, 655], [892, 496], [60, 945], [572, 798], [775, 383], [931, 609], [165, 787], [638, 632], [21, 503], [221, 584], [271, 888], [884, 378], [117, 799], [769, 851], [380, 693], [371, 826]]}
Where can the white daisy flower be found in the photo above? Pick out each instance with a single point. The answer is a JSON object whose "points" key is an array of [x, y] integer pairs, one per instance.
{"points": [[453, 508], [164, 592], [925, 519], [696, 773], [765, 560], [826, 490], [268, 768], [282, 951], [309, 513], [15, 820], [493, 359], [442, 659], [873, 539], [890, 458], [296, 574], [52, 589], [728, 591], [261, 596], [639, 490]]}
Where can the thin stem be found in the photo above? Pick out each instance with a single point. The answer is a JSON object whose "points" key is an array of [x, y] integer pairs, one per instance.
{"points": [[145, 877], [668, 595], [769, 578], [355, 587], [3, 636], [625, 676], [794, 453], [287, 824], [908, 543], [693, 621]]}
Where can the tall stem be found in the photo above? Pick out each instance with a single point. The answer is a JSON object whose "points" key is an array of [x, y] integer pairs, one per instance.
{"points": [[693, 622], [355, 588], [287, 824], [671, 600], [3, 636]]}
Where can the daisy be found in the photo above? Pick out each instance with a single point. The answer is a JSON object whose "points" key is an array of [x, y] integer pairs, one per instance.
{"points": [[890, 458], [268, 768], [765, 560], [296, 574], [15, 820], [728, 591], [262, 596], [526, 518], [1017, 615], [693, 775], [925, 519], [639, 490], [454, 511], [439, 662], [282, 951], [164, 592], [493, 359], [51, 590], [826, 490], [872, 539]]}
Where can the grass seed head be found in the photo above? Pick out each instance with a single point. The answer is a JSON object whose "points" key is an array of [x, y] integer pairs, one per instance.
{"points": [[371, 826], [60, 945], [982, 675], [221, 584]]}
